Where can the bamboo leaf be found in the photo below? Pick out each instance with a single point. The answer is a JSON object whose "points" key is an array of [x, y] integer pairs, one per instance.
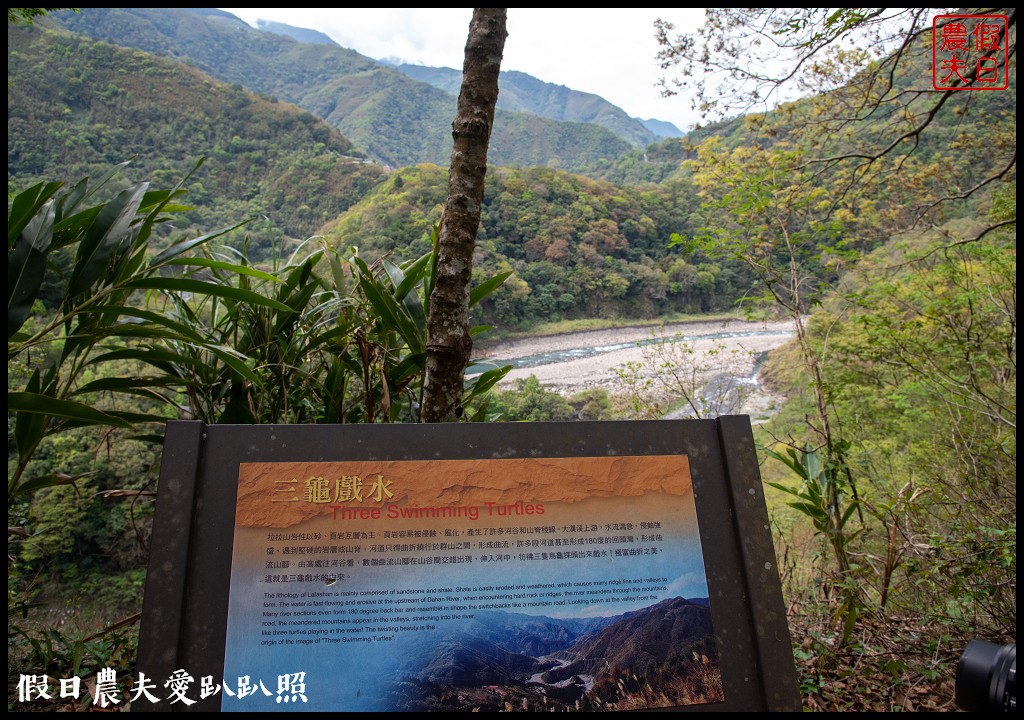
{"points": [[186, 245], [124, 384], [84, 189], [226, 266], [412, 275], [136, 418], [29, 428], [337, 272], [45, 481], [106, 234], [486, 380], [231, 360], [430, 279], [390, 311], [811, 511], [26, 206], [409, 366], [69, 409], [136, 315], [152, 356], [199, 287], [26, 267], [850, 510], [155, 202], [784, 488], [38, 232], [335, 338], [487, 287], [30, 235]]}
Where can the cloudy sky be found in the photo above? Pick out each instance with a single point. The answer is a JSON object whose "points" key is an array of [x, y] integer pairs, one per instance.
{"points": [[608, 52]]}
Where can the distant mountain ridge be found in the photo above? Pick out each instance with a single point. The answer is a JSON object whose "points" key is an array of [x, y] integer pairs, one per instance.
{"points": [[521, 92], [663, 128], [304, 35], [393, 118]]}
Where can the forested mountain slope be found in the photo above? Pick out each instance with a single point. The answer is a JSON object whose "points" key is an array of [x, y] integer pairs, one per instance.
{"points": [[579, 247], [394, 119], [78, 106]]}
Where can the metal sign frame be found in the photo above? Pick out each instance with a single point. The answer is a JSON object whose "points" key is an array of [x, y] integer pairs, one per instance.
{"points": [[184, 617]]}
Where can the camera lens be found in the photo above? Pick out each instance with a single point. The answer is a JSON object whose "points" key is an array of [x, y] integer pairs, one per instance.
{"points": [[986, 677]]}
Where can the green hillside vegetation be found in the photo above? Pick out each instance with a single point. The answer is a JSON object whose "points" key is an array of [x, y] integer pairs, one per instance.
{"points": [[880, 215], [578, 247], [79, 106], [652, 164], [971, 135], [918, 348], [394, 119]]}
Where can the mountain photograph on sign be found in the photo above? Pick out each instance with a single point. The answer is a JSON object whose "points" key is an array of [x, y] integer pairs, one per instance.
{"points": [[659, 656]]}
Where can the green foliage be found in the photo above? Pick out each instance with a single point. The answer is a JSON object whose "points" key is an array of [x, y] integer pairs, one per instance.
{"points": [[900, 425], [576, 247], [241, 344], [659, 163], [137, 335], [27, 15], [529, 401], [820, 496], [109, 243], [347, 342], [920, 363], [593, 404], [828, 501], [926, 372], [57, 512], [69, 651]]}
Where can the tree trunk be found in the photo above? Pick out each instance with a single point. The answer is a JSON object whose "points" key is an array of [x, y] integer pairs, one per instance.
{"points": [[448, 341]]}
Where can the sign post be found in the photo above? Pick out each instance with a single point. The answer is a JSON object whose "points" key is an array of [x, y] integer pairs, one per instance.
{"points": [[575, 566]]}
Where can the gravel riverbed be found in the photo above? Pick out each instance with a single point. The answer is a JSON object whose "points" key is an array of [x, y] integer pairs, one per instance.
{"points": [[735, 351]]}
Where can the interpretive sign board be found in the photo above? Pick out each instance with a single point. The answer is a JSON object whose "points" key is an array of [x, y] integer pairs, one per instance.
{"points": [[579, 566]]}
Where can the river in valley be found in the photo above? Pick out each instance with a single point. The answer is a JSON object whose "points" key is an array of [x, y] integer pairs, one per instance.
{"points": [[725, 354]]}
